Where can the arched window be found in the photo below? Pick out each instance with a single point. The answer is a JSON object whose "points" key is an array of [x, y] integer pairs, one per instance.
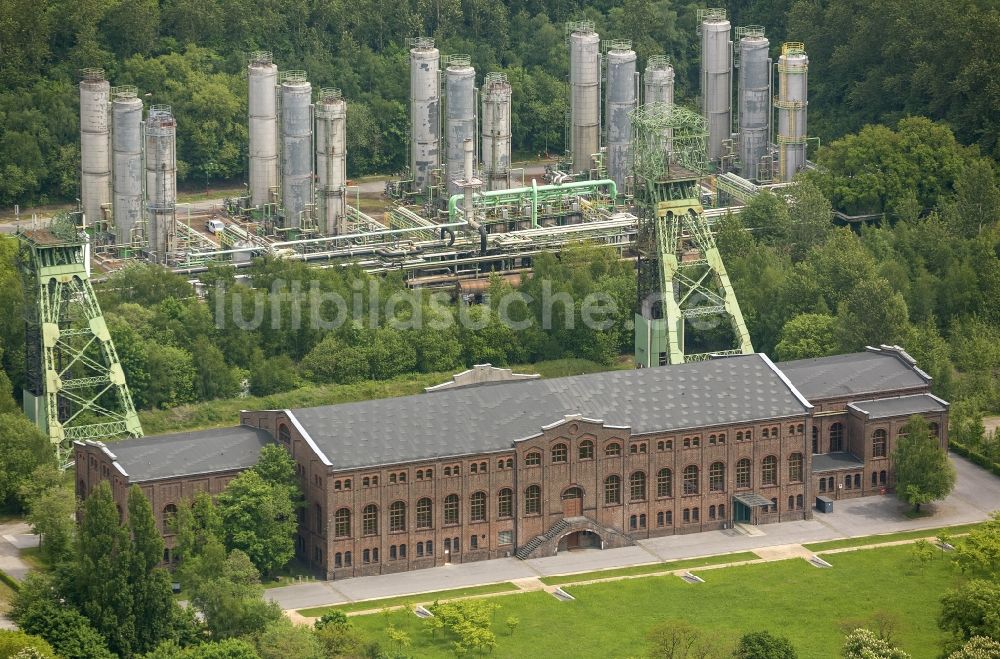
{"points": [[482, 468], [397, 516], [691, 479], [366, 482], [586, 450], [425, 516], [774, 504], [665, 483], [739, 435], [451, 509], [815, 433], [722, 511], [722, 438], [392, 553], [717, 477], [765, 433], [880, 440], [392, 478], [369, 520], [711, 512], [429, 474], [533, 500], [500, 463], [477, 507], [769, 471], [613, 449], [791, 429], [836, 437], [798, 501], [320, 526], [474, 468], [505, 503], [612, 490], [882, 479], [822, 485], [510, 463], [743, 473], [559, 453], [637, 486], [420, 474], [829, 483], [791, 502], [284, 434], [659, 445], [169, 514], [348, 559], [659, 518], [338, 560], [795, 467], [447, 471], [874, 479], [342, 523], [694, 514], [633, 522], [642, 520], [847, 482], [366, 556], [857, 481], [420, 549], [533, 459]]}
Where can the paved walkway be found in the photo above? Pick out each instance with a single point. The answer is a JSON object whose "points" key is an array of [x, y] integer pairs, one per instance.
{"points": [[14, 536], [976, 494]]}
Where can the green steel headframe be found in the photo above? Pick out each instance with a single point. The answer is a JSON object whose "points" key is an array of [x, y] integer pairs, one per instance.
{"points": [[682, 279], [75, 386]]}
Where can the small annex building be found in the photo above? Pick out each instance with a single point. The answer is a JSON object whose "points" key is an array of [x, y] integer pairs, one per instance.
{"points": [[529, 467]]}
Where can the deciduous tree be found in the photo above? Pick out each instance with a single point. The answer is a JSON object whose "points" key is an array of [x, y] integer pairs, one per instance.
{"points": [[923, 471]]}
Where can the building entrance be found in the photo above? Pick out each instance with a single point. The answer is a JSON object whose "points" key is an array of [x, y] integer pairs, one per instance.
{"points": [[572, 501], [580, 540]]}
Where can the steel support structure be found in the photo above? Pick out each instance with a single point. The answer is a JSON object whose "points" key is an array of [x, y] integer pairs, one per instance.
{"points": [[75, 387], [682, 279]]}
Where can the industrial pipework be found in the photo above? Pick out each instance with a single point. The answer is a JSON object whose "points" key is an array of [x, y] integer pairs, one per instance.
{"points": [[425, 113], [331, 161], [262, 101], [791, 103], [532, 195], [460, 115], [126, 143], [754, 98], [296, 147], [716, 78], [95, 144], [584, 95], [495, 151]]}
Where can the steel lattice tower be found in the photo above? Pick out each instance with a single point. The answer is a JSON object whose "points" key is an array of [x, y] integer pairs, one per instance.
{"points": [[75, 385], [682, 279]]}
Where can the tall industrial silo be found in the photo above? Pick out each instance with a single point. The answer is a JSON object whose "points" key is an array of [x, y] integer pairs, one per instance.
{"points": [[793, 72], [331, 161], [126, 149], [262, 77], [161, 182], [460, 115], [658, 81], [716, 78], [495, 152], [425, 113], [620, 101], [754, 98], [95, 144], [296, 147], [584, 94]]}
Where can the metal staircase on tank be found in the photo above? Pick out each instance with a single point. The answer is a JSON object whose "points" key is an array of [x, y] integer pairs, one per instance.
{"points": [[682, 279], [75, 387]]}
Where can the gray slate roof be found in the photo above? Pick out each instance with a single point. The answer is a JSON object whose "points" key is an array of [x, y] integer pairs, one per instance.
{"points": [[851, 374], [884, 408], [189, 453], [834, 461], [455, 422]]}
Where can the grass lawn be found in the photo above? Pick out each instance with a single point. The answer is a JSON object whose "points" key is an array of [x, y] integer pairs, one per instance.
{"points": [[650, 568], [889, 537], [807, 604], [405, 600]]}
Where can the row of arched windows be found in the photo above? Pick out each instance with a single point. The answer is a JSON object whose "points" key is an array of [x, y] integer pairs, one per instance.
{"points": [[424, 513]]}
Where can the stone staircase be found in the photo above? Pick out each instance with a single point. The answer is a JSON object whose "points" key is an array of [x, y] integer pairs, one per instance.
{"points": [[547, 543]]}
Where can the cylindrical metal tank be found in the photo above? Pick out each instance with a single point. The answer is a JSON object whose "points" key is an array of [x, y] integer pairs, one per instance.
{"points": [[620, 99], [262, 77], [754, 99], [425, 113], [495, 152], [658, 81], [331, 160], [161, 182], [584, 95], [460, 115], [296, 147], [716, 79], [126, 148], [793, 71], [95, 144]]}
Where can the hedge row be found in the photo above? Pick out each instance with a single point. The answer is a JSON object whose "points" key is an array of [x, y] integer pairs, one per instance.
{"points": [[975, 456]]}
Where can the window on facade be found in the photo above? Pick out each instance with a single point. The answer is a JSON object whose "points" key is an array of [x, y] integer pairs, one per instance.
{"points": [[424, 513], [559, 453], [769, 471], [342, 523], [633, 522], [717, 477], [482, 468], [451, 509], [402, 477], [633, 449], [722, 438], [510, 463], [613, 449], [420, 474], [695, 514], [500, 464], [739, 435], [420, 549], [169, 513], [795, 467], [347, 484], [429, 547], [711, 512], [659, 518], [659, 445], [847, 482], [397, 516], [612, 490], [798, 501], [874, 479], [815, 446], [392, 478], [791, 502], [791, 429], [477, 507], [366, 556], [429, 474], [829, 483], [774, 504], [665, 483], [533, 459], [691, 479], [722, 511], [743, 473], [447, 545], [670, 517], [669, 445], [857, 481], [456, 546], [375, 555], [642, 521], [586, 450], [505, 503], [369, 520], [402, 551], [637, 486], [366, 482], [687, 515], [474, 468], [822, 485], [392, 553], [338, 560], [882, 477], [505, 537], [765, 433], [337, 485], [473, 542], [642, 447], [284, 434], [533, 500], [320, 527], [837, 437], [748, 435], [348, 561], [879, 443]]}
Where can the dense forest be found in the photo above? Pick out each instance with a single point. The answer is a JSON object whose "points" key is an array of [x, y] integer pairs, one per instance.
{"points": [[870, 63]]}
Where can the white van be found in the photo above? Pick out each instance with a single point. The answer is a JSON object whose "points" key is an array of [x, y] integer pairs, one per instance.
{"points": [[215, 226]]}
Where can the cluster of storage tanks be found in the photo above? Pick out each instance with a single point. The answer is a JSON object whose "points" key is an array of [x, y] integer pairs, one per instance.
{"points": [[128, 165]]}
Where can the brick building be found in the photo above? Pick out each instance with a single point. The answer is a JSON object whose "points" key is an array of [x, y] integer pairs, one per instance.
{"points": [[531, 467]]}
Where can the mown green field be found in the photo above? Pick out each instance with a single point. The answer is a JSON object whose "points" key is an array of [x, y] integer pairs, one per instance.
{"points": [[811, 606], [405, 600]]}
